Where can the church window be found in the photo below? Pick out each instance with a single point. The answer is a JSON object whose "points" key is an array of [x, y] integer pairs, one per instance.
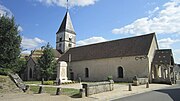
{"points": [[60, 39], [120, 72], [59, 45], [70, 39], [30, 73], [86, 72]]}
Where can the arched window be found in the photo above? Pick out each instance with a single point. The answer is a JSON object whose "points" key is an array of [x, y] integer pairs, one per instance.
{"points": [[30, 73], [70, 39], [120, 72], [86, 72]]}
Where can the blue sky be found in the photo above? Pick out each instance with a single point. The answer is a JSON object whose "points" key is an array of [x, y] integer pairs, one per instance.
{"points": [[97, 20]]}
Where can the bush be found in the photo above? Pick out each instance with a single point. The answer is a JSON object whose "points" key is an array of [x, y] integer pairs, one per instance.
{"points": [[5, 71], [109, 77], [48, 82]]}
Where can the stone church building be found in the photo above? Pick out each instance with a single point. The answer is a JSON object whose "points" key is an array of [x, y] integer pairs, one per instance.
{"points": [[122, 59]]}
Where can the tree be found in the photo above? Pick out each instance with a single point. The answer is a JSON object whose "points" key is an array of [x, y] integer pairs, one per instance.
{"points": [[10, 42], [46, 63]]}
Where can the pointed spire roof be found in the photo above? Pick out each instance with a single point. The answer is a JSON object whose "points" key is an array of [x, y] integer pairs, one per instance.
{"points": [[66, 24]]}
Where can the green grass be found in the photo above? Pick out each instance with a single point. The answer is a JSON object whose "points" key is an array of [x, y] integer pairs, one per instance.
{"points": [[3, 78], [50, 82], [52, 90], [32, 82]]}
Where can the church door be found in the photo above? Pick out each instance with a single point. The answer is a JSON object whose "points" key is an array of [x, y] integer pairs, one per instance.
{"points": [[30, 73], [120, 72]]}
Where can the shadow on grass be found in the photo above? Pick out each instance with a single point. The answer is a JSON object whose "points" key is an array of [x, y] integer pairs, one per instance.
{"points": [[76, 96]]}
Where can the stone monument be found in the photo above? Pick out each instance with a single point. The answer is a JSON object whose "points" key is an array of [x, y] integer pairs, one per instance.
{"points": [[62, 72]]}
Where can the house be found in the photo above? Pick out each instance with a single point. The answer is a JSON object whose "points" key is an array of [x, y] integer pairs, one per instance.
{"points": [[32, 62]]}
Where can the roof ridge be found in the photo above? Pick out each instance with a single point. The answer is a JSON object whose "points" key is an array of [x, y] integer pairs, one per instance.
{"points": [[115, 40]]}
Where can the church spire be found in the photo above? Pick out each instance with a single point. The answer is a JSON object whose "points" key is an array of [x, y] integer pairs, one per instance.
{"points": [[65, 36], [66, 24]]}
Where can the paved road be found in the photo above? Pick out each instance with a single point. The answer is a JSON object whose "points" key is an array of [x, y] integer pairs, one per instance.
{"points": [[169, 94]]}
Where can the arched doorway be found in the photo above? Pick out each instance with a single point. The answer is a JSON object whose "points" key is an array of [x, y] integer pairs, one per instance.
{"points": [[30, 73], [120, 72]]}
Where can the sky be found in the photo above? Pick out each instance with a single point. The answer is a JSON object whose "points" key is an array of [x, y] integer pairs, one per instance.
{"points": [[96, 21]]}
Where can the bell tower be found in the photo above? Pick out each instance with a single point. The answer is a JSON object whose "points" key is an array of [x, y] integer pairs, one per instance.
{"points": [[65, 36]]}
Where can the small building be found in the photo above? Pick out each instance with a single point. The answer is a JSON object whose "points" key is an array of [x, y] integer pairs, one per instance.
{"points": [[163, 66], [177, 71], [32, 61]]}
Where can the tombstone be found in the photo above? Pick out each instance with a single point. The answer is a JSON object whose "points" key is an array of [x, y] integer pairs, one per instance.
{"points": [[62, 72], [18, 81]]}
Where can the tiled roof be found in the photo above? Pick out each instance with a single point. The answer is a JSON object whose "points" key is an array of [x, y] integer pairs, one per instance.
{"points": [[38, 53], [133, 46], [163, 56], [66, 24]]}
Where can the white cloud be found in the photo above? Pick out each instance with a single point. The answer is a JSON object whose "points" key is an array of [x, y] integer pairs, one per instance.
{"points": [[151, 12], [30, 44], [20, 29], [62, 3], [5, 11], [167, 42], [26, 52], [177, 55], [91, 40], [164, 21]]}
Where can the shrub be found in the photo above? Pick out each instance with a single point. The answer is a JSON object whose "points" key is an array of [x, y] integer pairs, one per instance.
{"points": [[109, 77], [48, 82]]}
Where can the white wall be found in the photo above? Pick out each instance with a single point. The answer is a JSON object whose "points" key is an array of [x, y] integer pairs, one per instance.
{"points": [[153, 48], [99, 69]]}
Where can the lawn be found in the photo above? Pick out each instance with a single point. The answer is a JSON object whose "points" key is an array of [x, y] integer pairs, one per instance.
{"points": [[52, 90], [32, 82]]}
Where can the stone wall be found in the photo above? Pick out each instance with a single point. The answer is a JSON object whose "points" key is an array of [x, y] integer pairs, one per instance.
{"points": [[139, 81], [94, 88]]}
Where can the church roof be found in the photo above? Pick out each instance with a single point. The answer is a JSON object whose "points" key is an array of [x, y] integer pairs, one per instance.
{"points": [[133, 46], [163, 56], [66, 24]]}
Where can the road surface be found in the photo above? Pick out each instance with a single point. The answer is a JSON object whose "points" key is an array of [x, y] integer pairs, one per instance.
{"points": [[168, 94]]}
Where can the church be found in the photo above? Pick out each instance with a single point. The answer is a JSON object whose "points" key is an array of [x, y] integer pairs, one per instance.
{"points": [[122, 59]]}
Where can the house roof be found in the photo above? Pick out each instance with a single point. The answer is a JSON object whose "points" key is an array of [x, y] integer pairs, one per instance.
{"points": [[56, 53], [163, 56], [133, 46], [39, 53], [66, 24]]}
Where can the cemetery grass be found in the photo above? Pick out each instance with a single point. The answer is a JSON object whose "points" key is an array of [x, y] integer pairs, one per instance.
{"points": [[52, 90]]}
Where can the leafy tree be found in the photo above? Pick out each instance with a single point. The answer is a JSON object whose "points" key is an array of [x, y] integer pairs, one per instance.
{"points": [[47, 63], [10, 41], [20, 67]]}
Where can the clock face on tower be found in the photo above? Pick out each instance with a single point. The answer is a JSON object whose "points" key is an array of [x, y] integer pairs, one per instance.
{"points": [[70, 36]]}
